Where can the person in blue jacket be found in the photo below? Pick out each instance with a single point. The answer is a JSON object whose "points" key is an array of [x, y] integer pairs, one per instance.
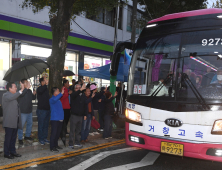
{"points": [[57, 117]]}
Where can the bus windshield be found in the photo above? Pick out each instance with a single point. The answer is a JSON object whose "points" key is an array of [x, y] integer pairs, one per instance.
{"points": [[198, 54]]}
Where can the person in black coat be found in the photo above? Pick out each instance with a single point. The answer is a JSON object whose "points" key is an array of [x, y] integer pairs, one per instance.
{"points": [[43, 111], [78, 114], [101, 106], [25, 104], [108, 112]]}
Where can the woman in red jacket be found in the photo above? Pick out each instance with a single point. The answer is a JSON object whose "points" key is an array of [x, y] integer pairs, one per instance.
{"points": [[66, 107]]}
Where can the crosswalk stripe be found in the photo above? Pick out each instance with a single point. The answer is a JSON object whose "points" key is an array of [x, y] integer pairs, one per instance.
{"points": [[149, 159], [89, 162]]}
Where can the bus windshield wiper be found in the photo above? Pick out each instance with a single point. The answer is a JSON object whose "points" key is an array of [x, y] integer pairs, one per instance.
{"points": [[165, 81], [196, 92]]}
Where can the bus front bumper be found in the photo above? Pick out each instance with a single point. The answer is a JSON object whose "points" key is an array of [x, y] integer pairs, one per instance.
{"points": [[206, 151]]}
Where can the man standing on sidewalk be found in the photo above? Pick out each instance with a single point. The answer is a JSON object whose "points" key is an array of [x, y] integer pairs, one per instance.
{"points": [[43, 111], [66, 107], [89, 112], [77, 112], [11, 119], [25, 104]]}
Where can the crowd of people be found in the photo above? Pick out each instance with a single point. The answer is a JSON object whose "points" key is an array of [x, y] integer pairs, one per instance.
{"points": [[79, 103]]}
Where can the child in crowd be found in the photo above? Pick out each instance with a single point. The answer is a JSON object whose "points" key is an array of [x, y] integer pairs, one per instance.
{"points": [[108, 112], [57, 117]]}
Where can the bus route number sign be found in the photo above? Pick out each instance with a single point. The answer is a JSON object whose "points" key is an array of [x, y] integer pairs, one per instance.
{"points": [[211, 42]]}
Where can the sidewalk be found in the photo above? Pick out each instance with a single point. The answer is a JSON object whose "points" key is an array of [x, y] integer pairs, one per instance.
{"points": [[35, 145]]}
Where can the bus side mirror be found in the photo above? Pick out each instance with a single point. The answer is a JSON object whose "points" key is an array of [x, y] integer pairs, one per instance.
{"points": [[114, 64], [121, 46]]}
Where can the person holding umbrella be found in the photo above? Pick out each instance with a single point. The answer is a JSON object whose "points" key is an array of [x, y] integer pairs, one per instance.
{"points": [[24, 70], [11, 119], [25, 103], [43, 111]]}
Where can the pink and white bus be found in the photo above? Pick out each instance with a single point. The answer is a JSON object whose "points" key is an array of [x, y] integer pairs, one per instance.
{"points": [[174, 102]]}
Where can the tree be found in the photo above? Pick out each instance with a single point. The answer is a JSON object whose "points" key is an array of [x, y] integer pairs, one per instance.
{"points": [[134, 23], [158, 8], [60, 15], [217, 4]]}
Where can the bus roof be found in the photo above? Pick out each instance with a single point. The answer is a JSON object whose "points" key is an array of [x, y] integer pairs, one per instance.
{"points": [[187, 14]]}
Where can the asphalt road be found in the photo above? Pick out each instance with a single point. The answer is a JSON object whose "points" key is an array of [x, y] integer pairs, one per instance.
{"points": [[127, 158]]}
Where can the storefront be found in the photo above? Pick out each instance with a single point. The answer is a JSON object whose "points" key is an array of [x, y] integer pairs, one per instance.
{"points": [[33, 40], [93, 62], [5, 61]]}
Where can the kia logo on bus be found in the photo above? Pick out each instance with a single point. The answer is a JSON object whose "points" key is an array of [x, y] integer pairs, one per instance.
{"points": [[173, 122]]}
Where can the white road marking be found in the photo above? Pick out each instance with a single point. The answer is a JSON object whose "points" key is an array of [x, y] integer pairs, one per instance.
{"points": [[149, 159], [91, 161]]}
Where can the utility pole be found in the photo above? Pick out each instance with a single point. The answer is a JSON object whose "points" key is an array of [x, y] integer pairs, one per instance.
{"points": [[134, 23], [113, 78]]}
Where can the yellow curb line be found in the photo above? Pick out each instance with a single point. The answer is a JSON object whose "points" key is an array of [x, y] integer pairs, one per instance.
{"points": [[47, 159]]}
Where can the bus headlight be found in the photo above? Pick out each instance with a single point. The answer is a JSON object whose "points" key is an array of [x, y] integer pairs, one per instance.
{"points": [[217, 127], [132, 115]]}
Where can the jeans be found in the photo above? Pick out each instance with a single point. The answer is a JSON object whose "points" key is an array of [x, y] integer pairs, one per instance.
{"points": [[56, 127], [101, 118], [75, 128], [107, 126], [10, 139], [25, 117], [86, 124], [43, 123]]}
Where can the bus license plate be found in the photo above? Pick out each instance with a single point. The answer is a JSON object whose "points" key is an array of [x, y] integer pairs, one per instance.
{"points": [[172, 148]]}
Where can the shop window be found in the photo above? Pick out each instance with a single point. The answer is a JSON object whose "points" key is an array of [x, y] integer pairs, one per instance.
{"points": [[4, 62], [89, 63]]}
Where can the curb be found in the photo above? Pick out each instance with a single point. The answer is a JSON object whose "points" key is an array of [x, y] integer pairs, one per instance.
{"points": [[32, 144]]}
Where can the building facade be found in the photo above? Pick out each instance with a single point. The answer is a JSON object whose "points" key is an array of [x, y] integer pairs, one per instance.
{"points": [[24, 35]]}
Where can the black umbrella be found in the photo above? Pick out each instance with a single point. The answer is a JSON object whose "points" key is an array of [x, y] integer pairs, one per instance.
{"points": [[25, 69], [67, 73]]}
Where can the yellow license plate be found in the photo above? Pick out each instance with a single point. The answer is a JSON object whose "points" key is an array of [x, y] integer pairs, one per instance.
{"points": [[172, 148]]}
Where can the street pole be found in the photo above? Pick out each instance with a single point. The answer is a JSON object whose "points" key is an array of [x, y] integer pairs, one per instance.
{"points": [[133, 35], [113, 78]]}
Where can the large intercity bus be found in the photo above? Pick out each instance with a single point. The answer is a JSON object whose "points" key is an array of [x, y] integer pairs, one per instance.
{"points": [[174, 102]]}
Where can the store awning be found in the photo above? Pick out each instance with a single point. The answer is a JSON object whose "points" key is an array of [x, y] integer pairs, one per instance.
{"points": [[103, 72]]}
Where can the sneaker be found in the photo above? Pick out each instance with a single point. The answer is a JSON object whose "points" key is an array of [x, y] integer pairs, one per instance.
{"points": [[55, 150], [78, 146], [28, 138], [95, 133], [42, 142], [58, 147], [106, 138], [110, 137], [46, 141], [100, 130], [71, 147], [20, 142], [92, 134]]}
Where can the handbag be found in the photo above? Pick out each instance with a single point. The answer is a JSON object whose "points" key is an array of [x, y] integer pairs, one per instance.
{"points": [[95, 124]]}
